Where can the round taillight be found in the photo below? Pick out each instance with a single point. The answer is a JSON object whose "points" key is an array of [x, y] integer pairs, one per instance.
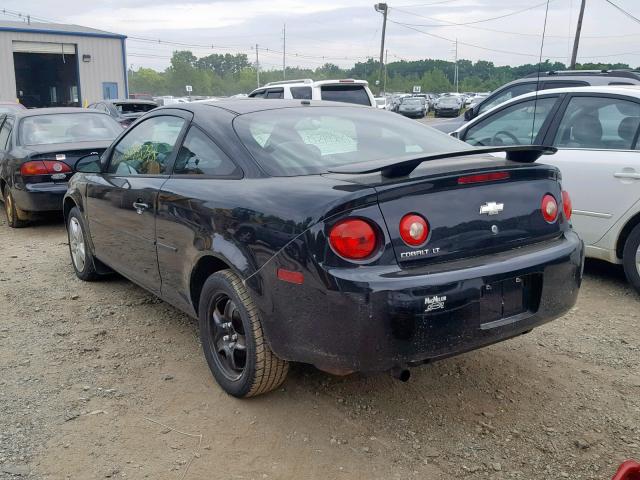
{"points": [[414, 229], [353, 239], [549, 208], [567, 206]]}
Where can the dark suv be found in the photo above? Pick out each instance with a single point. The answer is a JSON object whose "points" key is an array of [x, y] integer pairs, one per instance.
{"points": [[552, 79]]}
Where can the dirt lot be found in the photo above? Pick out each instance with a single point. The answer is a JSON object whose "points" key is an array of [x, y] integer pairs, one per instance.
{"points": [[99, 380]]}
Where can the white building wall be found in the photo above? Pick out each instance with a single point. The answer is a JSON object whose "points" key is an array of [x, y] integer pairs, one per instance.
{"points": [[106, 65]]}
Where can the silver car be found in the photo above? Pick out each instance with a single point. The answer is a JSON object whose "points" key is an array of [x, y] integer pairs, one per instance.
{"points": [[596, 132]]}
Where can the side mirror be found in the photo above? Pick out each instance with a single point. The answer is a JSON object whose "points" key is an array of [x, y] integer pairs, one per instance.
{"points": [[89, 164], [470, 114]]}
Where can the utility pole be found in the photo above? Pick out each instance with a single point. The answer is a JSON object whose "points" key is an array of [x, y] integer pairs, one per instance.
{"points": [[284, 52], [257, 66], [576, 42], [456, 69], [382, 8], [386, 61]]}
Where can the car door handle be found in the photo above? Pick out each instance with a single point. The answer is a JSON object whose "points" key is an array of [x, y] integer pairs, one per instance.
{"points": [[140, 207], [635, 176]]}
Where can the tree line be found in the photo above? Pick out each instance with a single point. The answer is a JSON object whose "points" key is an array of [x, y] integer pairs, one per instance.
{"points": [[227, 74]]}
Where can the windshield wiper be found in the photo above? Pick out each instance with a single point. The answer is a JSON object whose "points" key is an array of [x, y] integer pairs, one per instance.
{"points": [[404, 165]]}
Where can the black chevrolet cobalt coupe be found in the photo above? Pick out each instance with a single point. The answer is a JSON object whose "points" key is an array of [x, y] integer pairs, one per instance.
{"points": [[336, 235]]}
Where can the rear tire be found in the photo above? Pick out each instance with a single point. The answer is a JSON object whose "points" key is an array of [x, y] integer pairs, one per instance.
{"points": [[10, 209], [81, 255], [631, 258], [233, 341]]}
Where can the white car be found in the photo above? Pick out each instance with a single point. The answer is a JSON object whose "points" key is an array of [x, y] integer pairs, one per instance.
{"points": [[346, 90], [595, 130]]}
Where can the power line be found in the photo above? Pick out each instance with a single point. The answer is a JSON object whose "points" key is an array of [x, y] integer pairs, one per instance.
{"points": [[487, 19], [628, 14]]}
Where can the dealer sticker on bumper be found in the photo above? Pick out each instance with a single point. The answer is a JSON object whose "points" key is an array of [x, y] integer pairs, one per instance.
{"points": [[437, 302]]}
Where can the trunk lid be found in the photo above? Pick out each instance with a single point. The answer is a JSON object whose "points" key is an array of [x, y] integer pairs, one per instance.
{"points": [[468, 219]]}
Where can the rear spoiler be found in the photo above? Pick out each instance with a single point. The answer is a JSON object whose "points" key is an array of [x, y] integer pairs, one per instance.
{"points": [[403, 166]]}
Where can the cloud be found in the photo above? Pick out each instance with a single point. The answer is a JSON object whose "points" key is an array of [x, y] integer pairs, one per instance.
{"points": [[343, 31]]}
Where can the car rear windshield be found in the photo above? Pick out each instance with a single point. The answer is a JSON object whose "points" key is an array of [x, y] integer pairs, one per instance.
{"points": [[412, 101], [345, 93], [311, 140], [67, 127], [449, 101], [134, 107]]}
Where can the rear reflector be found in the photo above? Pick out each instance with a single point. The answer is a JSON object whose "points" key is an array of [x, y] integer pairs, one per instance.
{"points": [[483, 177], [290, 276], [43, 167]]}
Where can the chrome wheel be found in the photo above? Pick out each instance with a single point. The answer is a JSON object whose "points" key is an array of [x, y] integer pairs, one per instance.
{"points": [[227, 337], [77, 245], [638, 260]]}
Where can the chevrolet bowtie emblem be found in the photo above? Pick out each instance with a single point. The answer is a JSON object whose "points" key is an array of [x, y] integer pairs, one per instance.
{"points": [[491, 208]]}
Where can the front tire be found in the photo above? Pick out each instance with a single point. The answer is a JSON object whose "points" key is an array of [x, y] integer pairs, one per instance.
{"points": [[81, 255], [10, 209], [233, 340], [631, 258]]}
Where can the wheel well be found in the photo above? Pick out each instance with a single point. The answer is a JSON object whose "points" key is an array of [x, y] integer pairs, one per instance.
{"points": [[624, 234], [205, 267], [68, 205]]}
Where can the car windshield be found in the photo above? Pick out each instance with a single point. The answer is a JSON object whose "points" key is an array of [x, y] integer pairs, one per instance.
{"points": [[67, 127], [311, 140], [448, 101], [412, 101], [133, 107]]}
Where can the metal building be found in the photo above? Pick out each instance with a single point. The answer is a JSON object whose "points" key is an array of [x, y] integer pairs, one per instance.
{"points": [[48, 64]]}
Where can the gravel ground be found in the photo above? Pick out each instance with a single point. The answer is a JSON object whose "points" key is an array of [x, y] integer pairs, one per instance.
{"points": [[102, 380]]}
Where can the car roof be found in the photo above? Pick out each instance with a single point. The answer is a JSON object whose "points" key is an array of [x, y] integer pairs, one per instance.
{"points": [[32, 112], [251, 105], [129, 100], [630, 90]]}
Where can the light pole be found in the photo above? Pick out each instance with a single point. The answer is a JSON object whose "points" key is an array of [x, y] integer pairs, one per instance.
{"points": [[382, 8]]}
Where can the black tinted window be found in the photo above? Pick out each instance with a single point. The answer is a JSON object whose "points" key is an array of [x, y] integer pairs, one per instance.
{"points": [[258, 94], [199, 155], [507, 94], [279, 93], [301, 93], [346, 93], [4, 134], [563, 84]]}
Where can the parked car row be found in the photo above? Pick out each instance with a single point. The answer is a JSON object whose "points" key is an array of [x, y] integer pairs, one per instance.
{"points": [[272, 222]]}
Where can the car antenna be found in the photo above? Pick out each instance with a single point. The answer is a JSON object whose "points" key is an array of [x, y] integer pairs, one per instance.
{"points": [[535, 102]]}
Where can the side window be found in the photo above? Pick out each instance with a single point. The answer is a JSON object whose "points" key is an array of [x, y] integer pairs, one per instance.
{"points": [[507, 94], [301, 93], [563, 84], [4, 134], [278, 93], [147, 147], [258, 94], [8, 126], [517, 124], [599, 122], [199, 155]]}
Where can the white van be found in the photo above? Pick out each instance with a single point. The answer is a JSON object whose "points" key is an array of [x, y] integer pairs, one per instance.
{"points": [[347, 90]]}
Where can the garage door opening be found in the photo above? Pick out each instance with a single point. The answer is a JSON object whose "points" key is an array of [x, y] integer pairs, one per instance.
{"points": [[46, 74]]}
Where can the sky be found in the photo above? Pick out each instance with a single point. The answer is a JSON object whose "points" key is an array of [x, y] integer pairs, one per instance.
{"points": [[343, 32]]}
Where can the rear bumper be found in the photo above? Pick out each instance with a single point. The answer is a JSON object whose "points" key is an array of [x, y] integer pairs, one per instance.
{"points": [[376, 319], [40, 197]]}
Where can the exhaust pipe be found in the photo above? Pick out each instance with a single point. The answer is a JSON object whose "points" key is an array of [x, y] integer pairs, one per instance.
{"points": [[401, 373]]}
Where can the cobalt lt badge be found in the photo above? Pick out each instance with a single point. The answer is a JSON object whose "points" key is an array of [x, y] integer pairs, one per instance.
{"points": [[491, 208]]}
